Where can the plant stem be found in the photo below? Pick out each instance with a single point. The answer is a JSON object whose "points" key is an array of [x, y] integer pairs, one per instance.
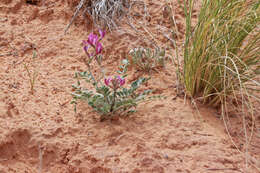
{"points": [[89, 69], [114, 101], [92, 75]]}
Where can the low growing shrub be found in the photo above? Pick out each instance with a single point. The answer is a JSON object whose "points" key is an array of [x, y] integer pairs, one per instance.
{"points": [[110, 95], [144, 59]]}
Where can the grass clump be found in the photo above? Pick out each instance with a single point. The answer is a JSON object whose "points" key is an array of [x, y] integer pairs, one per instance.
{"points": [[221, 59], [221, 55]]}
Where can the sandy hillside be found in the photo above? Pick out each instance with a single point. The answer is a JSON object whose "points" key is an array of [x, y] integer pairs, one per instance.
{"points": [[40, 132]]}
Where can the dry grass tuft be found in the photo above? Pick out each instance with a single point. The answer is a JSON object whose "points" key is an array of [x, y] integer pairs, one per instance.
{"points": [[221, 59], [104, 13]]}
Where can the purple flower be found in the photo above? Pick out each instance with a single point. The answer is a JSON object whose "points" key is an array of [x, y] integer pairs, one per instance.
{"points": [[115, 82], [98, 48], [120, 80], [107, 81], [85, 47], [92, 39], [85, 42], [102, 34]]}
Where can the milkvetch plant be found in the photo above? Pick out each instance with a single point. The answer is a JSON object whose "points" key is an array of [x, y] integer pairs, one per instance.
{"points": [[110, 96], [144, 59]]}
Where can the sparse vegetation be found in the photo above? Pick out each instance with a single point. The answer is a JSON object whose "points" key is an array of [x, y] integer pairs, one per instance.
{"points": [[222, 54], [146, 60], [213, 60], [110, 97], [221, 58]]}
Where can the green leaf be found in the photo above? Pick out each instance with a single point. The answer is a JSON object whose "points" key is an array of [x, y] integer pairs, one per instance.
{"points": [[136, 84]]}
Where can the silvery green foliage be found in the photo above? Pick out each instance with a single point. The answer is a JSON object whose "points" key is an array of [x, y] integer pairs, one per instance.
{"points": [[108, 100], [145, 59]]}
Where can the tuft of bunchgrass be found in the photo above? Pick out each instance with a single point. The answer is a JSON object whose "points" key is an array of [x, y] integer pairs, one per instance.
{"points": [[221, 58]]}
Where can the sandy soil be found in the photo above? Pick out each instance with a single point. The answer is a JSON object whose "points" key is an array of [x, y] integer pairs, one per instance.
{"points": [[40, 132]]}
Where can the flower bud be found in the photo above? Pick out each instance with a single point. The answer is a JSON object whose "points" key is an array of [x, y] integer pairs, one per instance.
{"points": [[115, 82], [98, 48]]}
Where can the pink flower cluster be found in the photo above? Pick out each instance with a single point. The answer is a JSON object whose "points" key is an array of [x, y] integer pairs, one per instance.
{"points": [[94, 41], [115, 82]]}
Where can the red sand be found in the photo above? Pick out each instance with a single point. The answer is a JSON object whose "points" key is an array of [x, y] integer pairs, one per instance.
{"points": [[41, 131]]}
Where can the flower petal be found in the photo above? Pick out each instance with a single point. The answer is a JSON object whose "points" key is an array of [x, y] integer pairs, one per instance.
{"points": [[84, 42], [102, 33], [107, 81], [98, 48], [92, 39], [121, 81], [86, 50]]}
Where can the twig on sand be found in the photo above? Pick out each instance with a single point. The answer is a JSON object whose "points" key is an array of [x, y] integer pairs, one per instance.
{"points": [[80, 5], [222, 169], [7, 54], [104, 13]]}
